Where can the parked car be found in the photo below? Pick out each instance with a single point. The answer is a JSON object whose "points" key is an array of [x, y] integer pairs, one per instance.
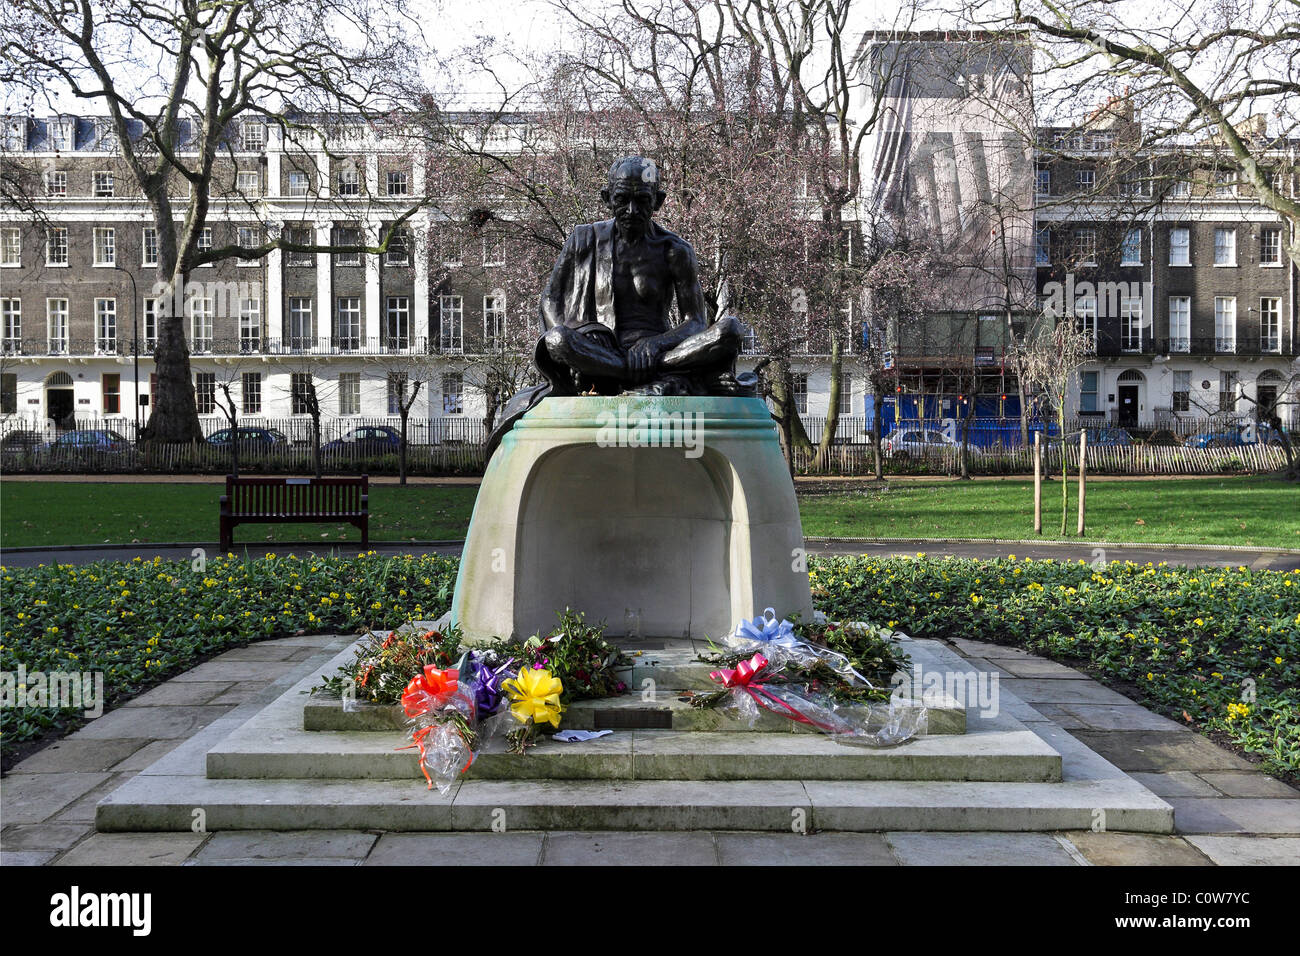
{"points": [[20, 442], [366, 441], [1115, 437], [88, 441], [1236, 436], [252, 440], [921, 443]]}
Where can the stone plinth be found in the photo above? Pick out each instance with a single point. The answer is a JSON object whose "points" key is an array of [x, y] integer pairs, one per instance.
{"points": [[665, 517]]}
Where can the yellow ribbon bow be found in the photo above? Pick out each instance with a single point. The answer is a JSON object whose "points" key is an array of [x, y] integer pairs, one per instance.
{"points": [[535, 694]]}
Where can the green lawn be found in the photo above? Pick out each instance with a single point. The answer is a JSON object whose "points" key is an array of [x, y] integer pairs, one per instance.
{"points": [[1244, 510]]}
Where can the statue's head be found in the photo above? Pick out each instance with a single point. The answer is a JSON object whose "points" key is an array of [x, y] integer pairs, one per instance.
{"points": [[633, 194]]}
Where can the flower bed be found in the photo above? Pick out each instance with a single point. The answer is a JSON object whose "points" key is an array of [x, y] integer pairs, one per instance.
{"points": [[1216, 649]]}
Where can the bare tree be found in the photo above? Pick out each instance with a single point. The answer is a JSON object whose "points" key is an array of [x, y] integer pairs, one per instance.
{"points": [[176, 81]]}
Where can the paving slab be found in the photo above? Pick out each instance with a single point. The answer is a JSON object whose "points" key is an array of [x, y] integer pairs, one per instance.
{"points": [[267, 845], [1135, 849], [990, 652], [82, 810], [1175, 783], [1236, 815], [35, 797], [978, 849], [1249, 850], [26, 857], [264, 651], [629, 849], [1041, 690], [158, 723], [181, 692], [810, 849], [283, 861], [75, 753], [134, 849], [234, 671], [511, 848], [1234, 783], [1117, 717], [1159, 750], [43, 836], [147, 755], [1038, 667]]}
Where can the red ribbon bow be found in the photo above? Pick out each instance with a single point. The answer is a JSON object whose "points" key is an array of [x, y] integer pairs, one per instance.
{"points": [[430, 691], [748, 676], [742, 674]]}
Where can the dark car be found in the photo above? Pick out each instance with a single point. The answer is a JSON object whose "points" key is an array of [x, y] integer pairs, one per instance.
{"points": [[21, 442], [88, 441], [252, 440], [1236, 436], [366, 441]]}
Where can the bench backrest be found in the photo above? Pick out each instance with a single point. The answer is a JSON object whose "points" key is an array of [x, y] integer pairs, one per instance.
{"points": [[296, 496]]}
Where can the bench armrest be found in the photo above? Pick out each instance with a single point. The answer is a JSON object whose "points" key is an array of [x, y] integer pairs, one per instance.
{"points": [[225, 505]]}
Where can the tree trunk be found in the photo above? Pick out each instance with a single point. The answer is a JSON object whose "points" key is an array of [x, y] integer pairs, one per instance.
{"points": [[833, 409], [1065, 469], [964, 453], [404, 414], [315, 439], [175, 417], [878, 398], [790, 426]]}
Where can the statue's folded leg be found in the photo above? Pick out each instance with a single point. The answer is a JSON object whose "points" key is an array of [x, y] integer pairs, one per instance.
{"points": [[584, 353], [714, 349]]}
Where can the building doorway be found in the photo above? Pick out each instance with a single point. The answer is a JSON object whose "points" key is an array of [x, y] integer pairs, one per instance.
{"points": [[60, 406], [1129, 391]]}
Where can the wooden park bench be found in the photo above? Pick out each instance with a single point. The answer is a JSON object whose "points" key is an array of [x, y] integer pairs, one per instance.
{"points": [[294, 501]]}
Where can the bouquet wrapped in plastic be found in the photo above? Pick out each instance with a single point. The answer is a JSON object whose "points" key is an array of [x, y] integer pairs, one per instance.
{"points": [[443, 715], [809, 684]]}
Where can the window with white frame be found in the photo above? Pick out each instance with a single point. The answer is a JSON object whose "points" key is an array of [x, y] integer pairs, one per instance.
{"points": [[397, 322], [399, 184], [451, 329], [1043, 247], [56, 246], [105, 245], [1225, 323], [1130, 323], [103, 185], [250, 392], [1270, 324], [250, 325], [56, 323], [249, 183], [111, 393], [799, 381], [1225, 183], [11, 325], [299, 236], [347, 327], [248, 237], [1085, 311], [748, 339], [453, 394], [494, 320], [1131, 253], [11, 247], [1180, 323], [451, 249], [1181, 189], [56, 184], [1182, 395], [204, 243], [302, 393], [1085, 179], [1228, 390], [1225, 247], [1085, 246], [1088, 391], [200, 309], [349, 181], [149, 316], [399, 249], [300, 323], [8, 393], [205, 392], [846, 394], [1180, 246], [1270, 247], [347, 236], [61, 135], [106, 325], [349, 393], [297, 183], [494, 250], [396, 392], [252, 136], [149, 246], [1042, 179]]}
